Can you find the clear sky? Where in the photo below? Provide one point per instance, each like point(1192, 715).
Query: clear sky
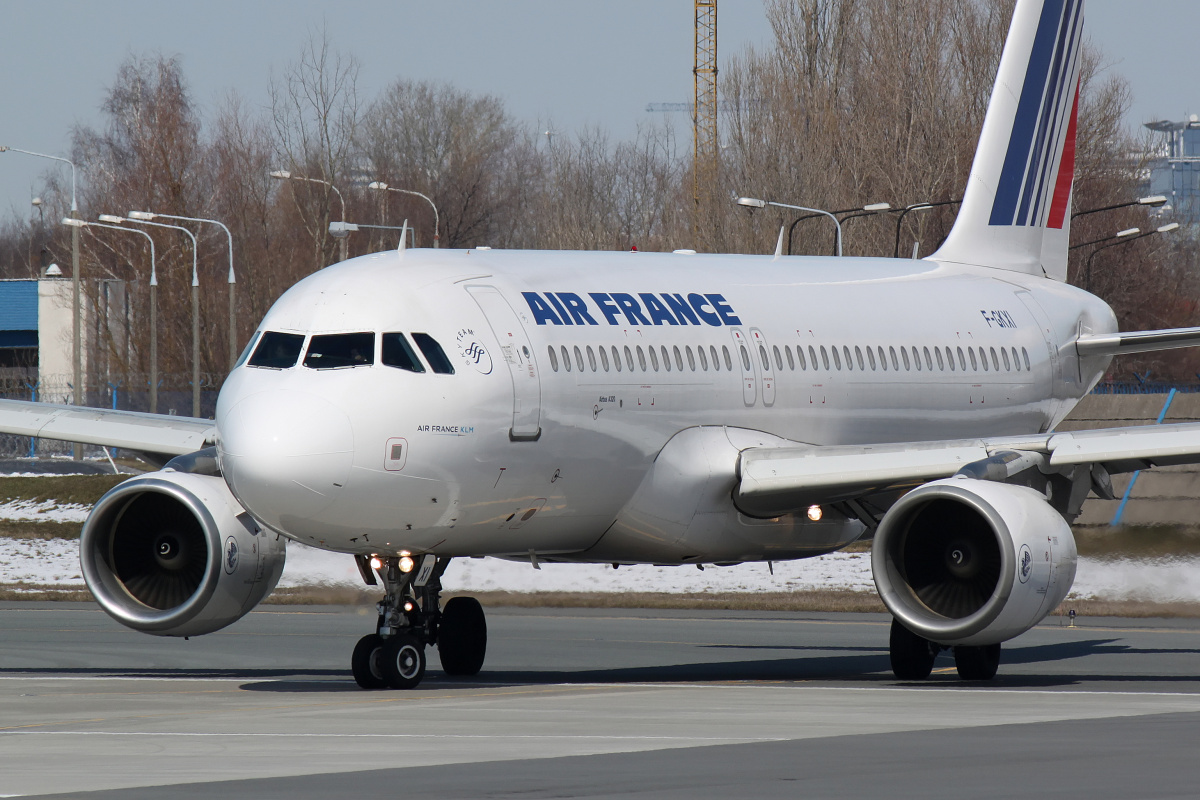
point(572, 62)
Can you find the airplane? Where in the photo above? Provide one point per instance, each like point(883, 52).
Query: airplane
point(412, 407)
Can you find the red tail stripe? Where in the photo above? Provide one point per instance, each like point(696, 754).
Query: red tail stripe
point(1066, 172)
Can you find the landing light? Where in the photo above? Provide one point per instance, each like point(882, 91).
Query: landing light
point(408, 605)
point(406, 564)
point(815, 513)
point(376, 562)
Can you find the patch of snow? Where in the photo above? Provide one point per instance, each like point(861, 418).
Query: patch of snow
point(44, 511)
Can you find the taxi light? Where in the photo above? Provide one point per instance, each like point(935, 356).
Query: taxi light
point(815, 513)
point(406, 564)
point(408, 605)
point(376, 562)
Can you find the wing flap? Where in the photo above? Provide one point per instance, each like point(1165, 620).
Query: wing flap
point(130, 430)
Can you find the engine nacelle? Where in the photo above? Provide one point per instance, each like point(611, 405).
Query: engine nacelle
point(174, 554)
point(964, 561)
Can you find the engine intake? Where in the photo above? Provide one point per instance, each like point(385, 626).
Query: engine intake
point(174, 554)
point(964, 561)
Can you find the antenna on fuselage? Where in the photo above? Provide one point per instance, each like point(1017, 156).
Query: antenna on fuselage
point(779, 244)
point(403, 238)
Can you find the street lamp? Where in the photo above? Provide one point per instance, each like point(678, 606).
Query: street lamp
point(916, 207)
point(1117, 235)
point(1154, 201)
point(868, 210)
point(1087, 282)
point(232, 280)
point(284, 175)
point(195, 301)
point(77, 318)
point(753, 203)
point(380, 186)
point(78, 223)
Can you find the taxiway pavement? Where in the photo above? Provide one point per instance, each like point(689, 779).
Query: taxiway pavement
point(592, 703)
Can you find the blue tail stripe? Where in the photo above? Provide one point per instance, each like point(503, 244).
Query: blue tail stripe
point(1052, 116)
point(1016, 160)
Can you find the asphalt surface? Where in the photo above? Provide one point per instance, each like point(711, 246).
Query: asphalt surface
point(574, 703)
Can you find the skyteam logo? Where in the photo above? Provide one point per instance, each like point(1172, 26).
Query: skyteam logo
point(231, 555)
point(473, 352)
point(620, 308)
point(1024, 563)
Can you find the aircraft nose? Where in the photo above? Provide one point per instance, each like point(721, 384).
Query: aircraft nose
point(286, 455)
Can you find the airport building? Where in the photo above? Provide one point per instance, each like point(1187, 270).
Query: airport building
point(1174, 171)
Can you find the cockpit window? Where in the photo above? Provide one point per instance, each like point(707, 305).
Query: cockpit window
point(277, 350)
point(433, 353)
point(248, 349)
point(335, 350)
point(397, 352)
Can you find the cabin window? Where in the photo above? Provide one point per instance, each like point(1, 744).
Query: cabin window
point(745, 359)
point(882, 358)
point(995, 360)
point(762, 356)
point(395, 351)
point(791, 361)
point(578, 358)
point(653, 357)
point(591, 354)
point(778, 357)
point(825, 357)
point(728, 358)
point(1025, 357)
point(846, 353)
point(629, 358)
point(837, 359)
point(950, 357)
point(703, 358)
point(642, 358)
point(553, 357)
point(974, 363)
point(566, 357)
point(603, 357)
point(916, 358)
point(895, 362)
point(434, 354)
point(277, 350)
point(859, 358)
point(1016, 360)
point(691, 358)
point(1007, 364)
point(871, 357)
point(928, 359)
point(962, 362)
point(666, 357)
point(941, 364)
point(812, 357)
point(904, 356)
point(983, 359)
point(335, 350)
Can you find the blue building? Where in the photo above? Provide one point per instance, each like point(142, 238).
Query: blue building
point(18, 324)
point(1175, 172)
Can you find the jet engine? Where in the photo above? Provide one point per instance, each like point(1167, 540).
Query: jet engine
point(970, 562)
point(174, 554)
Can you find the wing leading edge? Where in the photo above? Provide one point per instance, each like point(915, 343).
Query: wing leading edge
point(152, 434)
point(780, 480)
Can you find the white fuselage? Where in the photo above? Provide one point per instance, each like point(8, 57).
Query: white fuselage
point(538, 440)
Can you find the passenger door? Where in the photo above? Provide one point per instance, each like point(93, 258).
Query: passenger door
point(518, 355)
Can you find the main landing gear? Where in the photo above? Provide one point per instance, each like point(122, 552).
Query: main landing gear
point(912, 657)
point(410, 620)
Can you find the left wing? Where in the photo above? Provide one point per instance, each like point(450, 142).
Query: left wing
point(780, 480)
point(159, 436)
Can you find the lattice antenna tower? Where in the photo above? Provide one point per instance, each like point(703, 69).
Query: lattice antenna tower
point(704, 121)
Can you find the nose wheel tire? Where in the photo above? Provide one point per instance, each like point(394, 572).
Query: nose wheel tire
point(911, 655)
point(403, 661)
point(977, 663)
point(462, 636)
point(367, 662)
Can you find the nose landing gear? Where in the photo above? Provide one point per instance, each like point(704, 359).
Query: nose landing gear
point(410, 619)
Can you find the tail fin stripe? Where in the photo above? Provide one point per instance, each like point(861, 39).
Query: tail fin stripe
point(1037, 93)
point(1066, 171)
point(1053, 116)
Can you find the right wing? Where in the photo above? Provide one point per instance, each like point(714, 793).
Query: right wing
point(159, 436)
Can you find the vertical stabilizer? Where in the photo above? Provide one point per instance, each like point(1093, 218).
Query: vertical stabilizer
point(1016, 209)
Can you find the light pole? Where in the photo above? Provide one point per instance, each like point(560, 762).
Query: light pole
point(867, 211)
point(753, 203)
point(1154, 201)
point(1087, 281)
point(78, 223)
point(284, 175)
point(232, 279)
point(195, 301)
point(77, 318)
point(1117, 235)
point(916, 207)
point(380, 186)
